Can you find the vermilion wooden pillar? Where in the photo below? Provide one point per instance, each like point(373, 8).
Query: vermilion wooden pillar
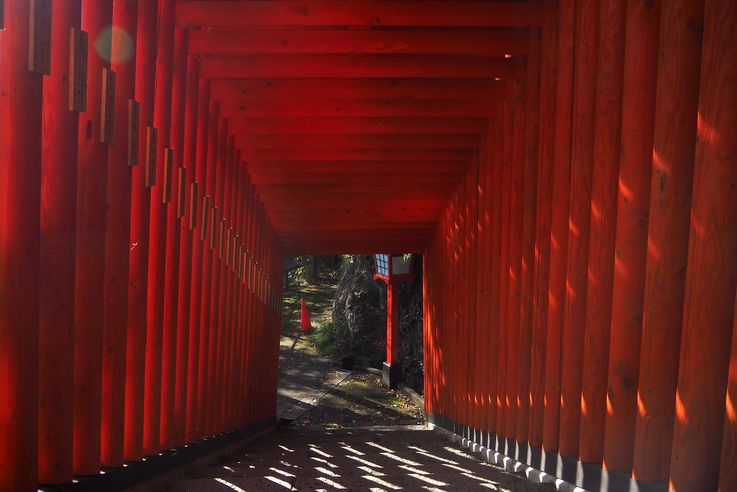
point(171, 270)
point(58, 215)
point(139, 234)
point(502, 366)
point(494, 273)
point(542, 233)
point(225, 284)
point(117, 234)
point(198, 250)
point(213, 292)
point(582, 148)
point(90, 247)
point(559, 220)
point(711, 279)
point(676, 110)
point(482, 306)
point(392, 334)
point(157, 232)
point(728, 463)
point(186, 351)
point(20, 196)
point(529, 219)
point(603, 207)
point(207, 266)
point(514, 256)
point(638, 108)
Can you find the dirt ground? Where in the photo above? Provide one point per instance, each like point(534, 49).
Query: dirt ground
point(358, 401)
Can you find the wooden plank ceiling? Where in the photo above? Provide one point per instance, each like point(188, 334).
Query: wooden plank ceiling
point(357, 118)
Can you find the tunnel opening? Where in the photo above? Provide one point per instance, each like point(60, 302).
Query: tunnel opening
point(349, 336)
point(566, 168)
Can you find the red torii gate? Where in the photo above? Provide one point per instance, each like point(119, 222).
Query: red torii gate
point(567, 168)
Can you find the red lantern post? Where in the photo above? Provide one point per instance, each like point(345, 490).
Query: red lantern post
point(392, 269)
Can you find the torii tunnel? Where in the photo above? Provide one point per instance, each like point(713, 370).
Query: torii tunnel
point(567, 168)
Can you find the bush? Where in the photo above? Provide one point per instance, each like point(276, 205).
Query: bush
point(325, 338)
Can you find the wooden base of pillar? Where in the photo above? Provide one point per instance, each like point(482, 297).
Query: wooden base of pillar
point(390, 375)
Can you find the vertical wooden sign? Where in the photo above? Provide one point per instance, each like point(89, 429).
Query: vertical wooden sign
point(221, 234)
point(213, 226)
point(205, 216)
point(77, 70)
point(244, 266)
point(249, 268)
point(134, 117)
point(234, 252)
point(39, 48)
point(263, 287)
point(226, 246)
point(168, 171)
point(107, 108)
point(239, 261)
point(152, 142)
point(193, 197)
point(182, 192)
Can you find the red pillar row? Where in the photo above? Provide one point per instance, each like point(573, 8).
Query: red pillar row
point(635, 330)
point(101, 328)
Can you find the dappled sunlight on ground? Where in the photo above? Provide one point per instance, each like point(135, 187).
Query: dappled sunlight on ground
point(369, 459)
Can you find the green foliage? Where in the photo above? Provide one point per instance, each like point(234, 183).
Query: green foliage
point(325, 338)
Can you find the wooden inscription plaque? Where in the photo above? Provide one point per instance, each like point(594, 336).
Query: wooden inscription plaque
point(39, 49)
point(239, 261)
point(107, 108)
point(152, 142)
point(226, 246)
point(77, 70)
point(181, 192)
point(193, 197)
point(168, 174)
point(134, 117)
point(233, 252)
point(205, 217)
point(213, 226)
point(221, 237)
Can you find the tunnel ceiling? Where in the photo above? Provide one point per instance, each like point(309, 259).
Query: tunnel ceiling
point(357, 118)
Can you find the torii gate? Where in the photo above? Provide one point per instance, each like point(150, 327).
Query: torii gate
point(566, 167)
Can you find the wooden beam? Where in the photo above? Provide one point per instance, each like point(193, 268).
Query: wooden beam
point(338, 141)
point(321, 126)
point(348, 178)
point(240, 41)
point(356, 246)
point(377, 66)
point(359, 167)
point(357, 88)
point(372, 108)
point(300, 191)
point(358, 13)
point(296, 154)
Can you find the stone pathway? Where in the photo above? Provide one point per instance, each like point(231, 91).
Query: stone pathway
point(365, 459)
